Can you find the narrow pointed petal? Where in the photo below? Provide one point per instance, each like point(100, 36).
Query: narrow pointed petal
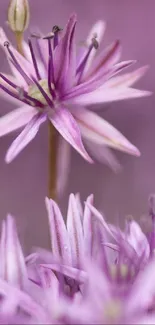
point(64, 57)
point(126, 80)
point(68, 271)
point(88, 228)
point(100, 219)
point(105, 95)
point(75, 230)
point(63, 165)
point(59, 238)
point(138, 240)
point(16, 119)
point(25, 137)
point(12, 259)
point(64, 122)
point(105, 60)
point(100, 131)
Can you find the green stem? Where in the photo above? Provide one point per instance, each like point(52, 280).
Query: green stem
point(52, 161)
point(19, 41)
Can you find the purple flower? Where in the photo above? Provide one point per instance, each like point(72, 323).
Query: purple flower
point(60, 84)
point(109, 290)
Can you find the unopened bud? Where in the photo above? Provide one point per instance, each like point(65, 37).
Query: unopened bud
point(18, 15)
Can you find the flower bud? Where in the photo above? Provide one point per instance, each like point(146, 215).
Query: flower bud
point(18, 15)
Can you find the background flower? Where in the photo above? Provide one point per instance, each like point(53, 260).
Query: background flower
point(134, 24)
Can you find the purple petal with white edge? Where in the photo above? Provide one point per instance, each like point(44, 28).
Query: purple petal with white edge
point(25, 137)
point(22, 300)
point(99, 217)
point(63, 165)
point(13, 267)
point(97, 31)
point(105, 95)
point(104, 155)
point(101, 132)
point(127, 79)
point(65, 57)
point(59, 237)
point(68, 271)
point(138, 240)
point(16, 119)
point(64, 122)
point(143, 291)
point(106, 60)
point(88, 228)
point(75, 231)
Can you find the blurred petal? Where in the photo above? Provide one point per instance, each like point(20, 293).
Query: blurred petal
point(59, 238)
point(137, 239)
point(25, 137)
point(16, 119)
point(88, 228)
point(104, 155)
point(64, 122)
point(75, 231)
point(100, 131)
point(143, 290)
point(12, 267)
point(63, 165)
point(68, 271)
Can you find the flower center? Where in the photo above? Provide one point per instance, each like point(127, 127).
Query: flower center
point(123, 270)
point(113, 310)
point(35, 93)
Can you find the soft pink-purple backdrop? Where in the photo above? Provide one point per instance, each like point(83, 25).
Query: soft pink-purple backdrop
point(23, 183)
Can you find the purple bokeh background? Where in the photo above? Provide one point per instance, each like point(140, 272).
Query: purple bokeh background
point(24, 182)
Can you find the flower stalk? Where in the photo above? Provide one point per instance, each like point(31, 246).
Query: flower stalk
point(52, 161)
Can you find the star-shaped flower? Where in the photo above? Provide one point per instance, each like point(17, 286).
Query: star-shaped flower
point(58, 86)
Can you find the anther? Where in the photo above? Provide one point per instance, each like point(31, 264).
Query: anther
point(95, 43)
point(56, 29)
point(6, 44)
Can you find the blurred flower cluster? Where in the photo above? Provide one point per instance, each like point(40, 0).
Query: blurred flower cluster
point(95, 273)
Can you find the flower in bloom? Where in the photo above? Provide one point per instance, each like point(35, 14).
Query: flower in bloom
point(99, 298)
point(60, 85)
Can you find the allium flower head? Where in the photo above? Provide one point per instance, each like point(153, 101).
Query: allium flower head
point(60, 83)
point(99, 296)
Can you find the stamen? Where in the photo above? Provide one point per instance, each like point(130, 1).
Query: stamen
point(16, 64)
point(50, 69)
point(56, 29)
point(21, 92)
point(82, 65)
point(49, 36)
point(44, 94)
point(11, 93)
point(34, 60)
